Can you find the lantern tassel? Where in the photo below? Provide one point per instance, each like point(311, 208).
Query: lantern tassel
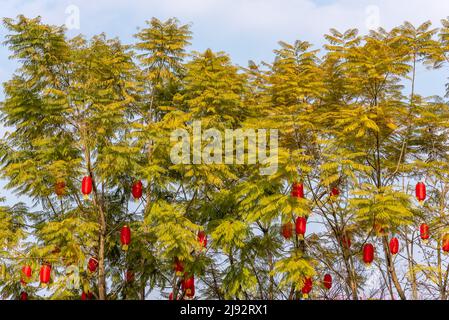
point(125, 247)
point(305, 296)
point(86, 197)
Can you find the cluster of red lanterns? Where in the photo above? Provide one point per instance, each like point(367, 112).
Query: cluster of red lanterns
point(86, 188)
point(87, 296)
point(300, 228)
point(188, 282)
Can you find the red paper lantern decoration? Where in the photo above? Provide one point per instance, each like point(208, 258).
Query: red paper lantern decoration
point(170, 296)
point(368, 253)
point(92, 265)
point(86, 186)
point(84, 296)
point(346, 241)
point(420, 191)
point(287, 230)
point(188, 285)
point(424, 232)
point(26, 271)
point(137, 189)
point(445, 244)
point(327, 281)
point(335, 192)
point(129, 276)
point(60, 188)
point(297, 190)
point(307, 287)
point(394, 246)
point(45, 274)
point(23, 296)
point(301, 225)
point(202, 238)
point(179, 267)
point(125, 237)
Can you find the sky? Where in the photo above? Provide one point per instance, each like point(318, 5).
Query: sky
point(246, 29)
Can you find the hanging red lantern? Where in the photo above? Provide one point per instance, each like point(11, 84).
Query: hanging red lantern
point(394, 246)
point(297, 190)
point(420, 191)
point(45, 274)
point(23, 296)
point(346, 241)
point(129, 276)
point(26, 272)
point(179, 267)
point(170, 296)
point(84, 296)
point(136, 190)
point(125, 237)
point(424, 232)
point(287, 230)
point(301, 225)
point(335, 192)
point(368, 253)
point(307, 287)
point(327, 281)
point(202, 238)
point(86, 186)
point(60, 188)
point(92, 265)
point(188, 285)
point(445, 244)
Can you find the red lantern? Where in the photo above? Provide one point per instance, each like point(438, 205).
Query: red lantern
point(420, 191)
point(26, 271)
point(60, 188)
point(84, 296)
point(137, 189)
point(44, 274)
point(297, 190)
point(129, 276)
point(327, 281)
point(301, 224)
point(346, 241)
point(86, 186)
point(335, 192)
point(287, 230)
point(394, 246)
point(307, 287)
point(170, 296)
point(202, 238)
point(23, 296)
point(92, 265)
point(125, 237)
point(445, 244)
point(424, 232)
point(188, 285)
point(179, 267)
point(368, 253)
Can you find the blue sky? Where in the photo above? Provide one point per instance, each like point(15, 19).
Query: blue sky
point(246, 29)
